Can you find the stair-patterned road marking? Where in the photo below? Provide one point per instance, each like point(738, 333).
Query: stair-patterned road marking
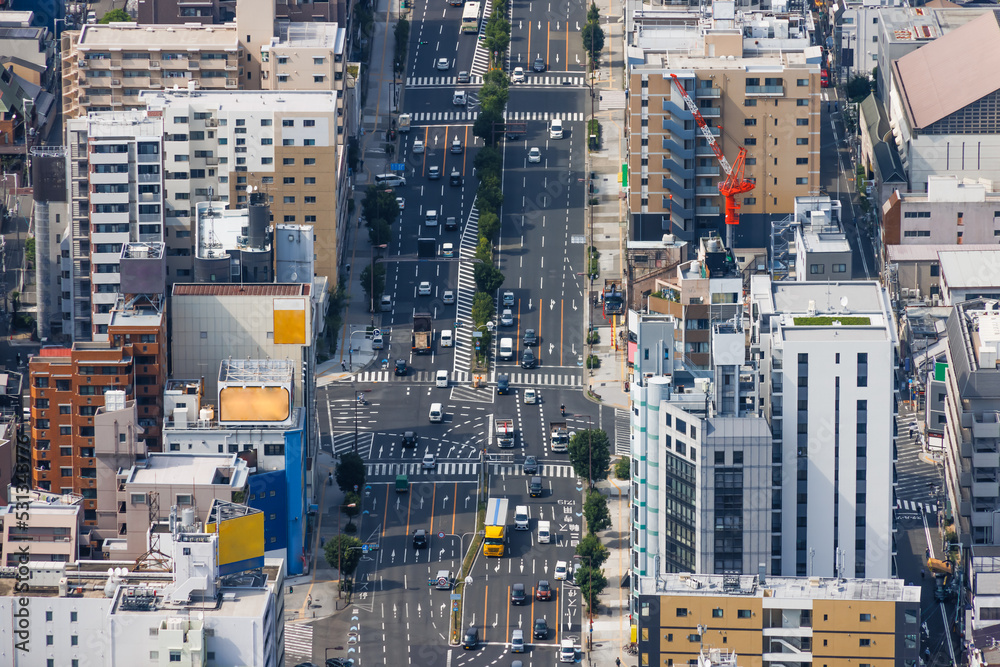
point(623, 432)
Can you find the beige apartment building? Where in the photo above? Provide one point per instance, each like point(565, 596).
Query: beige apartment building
point(49, 527)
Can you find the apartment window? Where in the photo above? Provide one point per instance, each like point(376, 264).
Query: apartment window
point(916, 233)
point(266, 122)
point(266, 141)
point(288, 122)
point(935, 270)
point(184, 499)
point(308, 142)
point(310, 200)
point(48, 616)
point(743, 613)
point(864, 642)
point(749, 141)
point(750, 103)
point(289, 200)
point(267, 160)
point(288, 142)
point(267, 180)
point(802, 141)
point(717, 612)
point(801, 121)
point(309, 161)
point(749, 122)
point(309, 180)
point(289, 180)
point(801, 180)
point(180, 120)
point(682, 612)
point(802, 82)
point(802, 102)
point(319, 78)
point(289, 218)
point(749, 201)
point(49, 640)
point(274, 450)
point(175, 656)
point(865, 618)
point(74, 640)
point(310, 218)
point(840, 268)
point(309, 123)
point(817, 269)
point(801, 160)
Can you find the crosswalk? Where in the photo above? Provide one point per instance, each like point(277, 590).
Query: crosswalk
point(623, 432)
point(911, 506)
point(452, 117)
point(534, 378)
point(481, 58)
point(463, 469)
point(540, 80)
point(916, 479)
point(298, 642)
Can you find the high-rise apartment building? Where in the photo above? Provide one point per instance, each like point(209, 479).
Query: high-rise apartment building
point(68, 387)
point(828, 353)
point(760, 81)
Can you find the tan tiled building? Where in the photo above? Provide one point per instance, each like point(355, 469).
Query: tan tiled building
point(49, 527)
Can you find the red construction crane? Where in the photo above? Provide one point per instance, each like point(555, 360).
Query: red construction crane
point(734, 183)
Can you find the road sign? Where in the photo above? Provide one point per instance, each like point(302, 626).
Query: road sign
point(456, 596)
point(442, 581)
point(441, 534)
point(454, 606)
point(397, 166)
point(364, 548)
point(376, 332)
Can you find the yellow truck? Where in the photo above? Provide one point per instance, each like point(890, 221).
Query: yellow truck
point(939, 566)
point(495, 542)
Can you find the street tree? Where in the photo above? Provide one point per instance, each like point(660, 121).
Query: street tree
point(489, 194)
point(116, 16)
point(489, 222)
point(484, 250)
point(595, 511)
point(367, 284)
point(590, 454)
point(488, 118)
point(482, 308)
point(350, 472)
point(488, 160)
point(379, 204)
point(488, 278)
point(591, 582)
point(593, 14)
point(592, 36)
point(343, 553)
point(591, 552)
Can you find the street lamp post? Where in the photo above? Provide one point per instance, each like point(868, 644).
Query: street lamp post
point(372, 276)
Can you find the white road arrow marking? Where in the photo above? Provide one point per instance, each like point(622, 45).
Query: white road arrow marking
point(552, 304)
point(392, 556)
point(539, 25)
point(467, 498)
point(441, 555)
point(496, 621)
point(522, 567)
point(574, 304)
point(577, 58)
point(444, 501)
point(421, 502)
point(578, 26)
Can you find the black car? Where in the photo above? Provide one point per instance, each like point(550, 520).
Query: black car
point(409, 440)
point(339, 662)
point(541, 630)
point(456, 177)
point(400, 367)
point(471, 638)
point(539, 65)
point(530, 465)
point(503, 384)
point(517, 595)
point(420, 539)
point(530, 337)
point(528, 359)
point(450, 223)
point(535, 487)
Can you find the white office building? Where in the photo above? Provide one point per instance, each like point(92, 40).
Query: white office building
point(827, 353)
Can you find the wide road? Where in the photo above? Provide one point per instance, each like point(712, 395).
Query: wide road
point(548, 29)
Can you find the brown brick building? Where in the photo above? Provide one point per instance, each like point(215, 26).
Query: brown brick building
point(68, 385)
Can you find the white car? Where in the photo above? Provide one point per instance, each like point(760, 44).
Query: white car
point(530, 397)
point(534, 155)
point(506, 318)
point(447, 339)
point(418, 146)
point(518, 75)
point(424, 288)
point(443, 64)
point(401, 202)
point(448, 297)
point(428, 462)
point(567, 651)
point(562, 571)
point(431, 218)
point(448, 250)
point(441, 379)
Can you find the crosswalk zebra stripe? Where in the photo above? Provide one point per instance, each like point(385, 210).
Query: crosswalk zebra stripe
point(298, 641)
point(623, 432)
point(545, 470)
point(912, 506)
point(462, 469)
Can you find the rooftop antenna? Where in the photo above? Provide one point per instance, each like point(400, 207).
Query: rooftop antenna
point(843, 304)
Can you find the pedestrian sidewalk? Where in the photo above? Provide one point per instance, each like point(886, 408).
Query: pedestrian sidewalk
point(611, 624)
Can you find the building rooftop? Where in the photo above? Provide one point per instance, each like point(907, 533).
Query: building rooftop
point(310, 35)
point(231, 101)
point(220, 231)
point(862, 298)
point(930, 252)
point(132, 314)
point(804, 588)
point(273, 289)
point(255, 371)
point(970, 268)
point(117, 124)
point(192, 469)
point(119, 36)
point(952, 71)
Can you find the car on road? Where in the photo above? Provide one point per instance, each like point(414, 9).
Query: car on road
point(428, 462)
point(431, 218)
point(420, 539)
point(517, 594)
point(556, 129)
point(447, 338)
point(434, 172)
point(443, 64)
point(441, 379)
point(539, 64)
point(541, 630)
point(418, 146)
point(456, 145)
point(507, 318)
point(517, 641)
point(518, 75)
point(463, 77)
point(449, 297)
point(535, 487)
point(471, 639)
point(530, 465)
point(424, 288)
point(530, 396)
point(378, 342)
point(528, 359)
point(450, 223)
point(503, 383)
point(409, 440)
point(401, 203)
point(535, 155)
point(543, 591)
point(508, 298)
point(455, 178)
point(567, 651)
point(448, 250)
point(400, 367)
point(339, 662)
point(562, 571)
point(530, 337)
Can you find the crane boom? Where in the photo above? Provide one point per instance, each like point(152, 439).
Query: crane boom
point(702, 125)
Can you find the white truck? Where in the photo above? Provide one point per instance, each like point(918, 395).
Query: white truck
point(559, 433)
point(544, 532)
point(505, 433)
point(404, 122)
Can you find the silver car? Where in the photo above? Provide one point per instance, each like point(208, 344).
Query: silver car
point(506, 318)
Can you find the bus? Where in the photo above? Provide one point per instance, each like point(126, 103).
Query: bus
point(470, 17)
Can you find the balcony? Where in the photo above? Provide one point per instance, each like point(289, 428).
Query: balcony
point(231, 83)
point(765, 91)
point(154, 64)
point(710, 112)
point(707, 210)
point(714, 93)
point(706, 171)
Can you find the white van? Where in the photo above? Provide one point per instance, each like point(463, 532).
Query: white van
point(556, 129)
point(521, 517)
point(431, 218)
point(441, 379)
point(506, 348)
point(447, 338)
point(386, 303)
point(389, 180)
point(544, 532)
point(436, 414)
point(418, 146)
